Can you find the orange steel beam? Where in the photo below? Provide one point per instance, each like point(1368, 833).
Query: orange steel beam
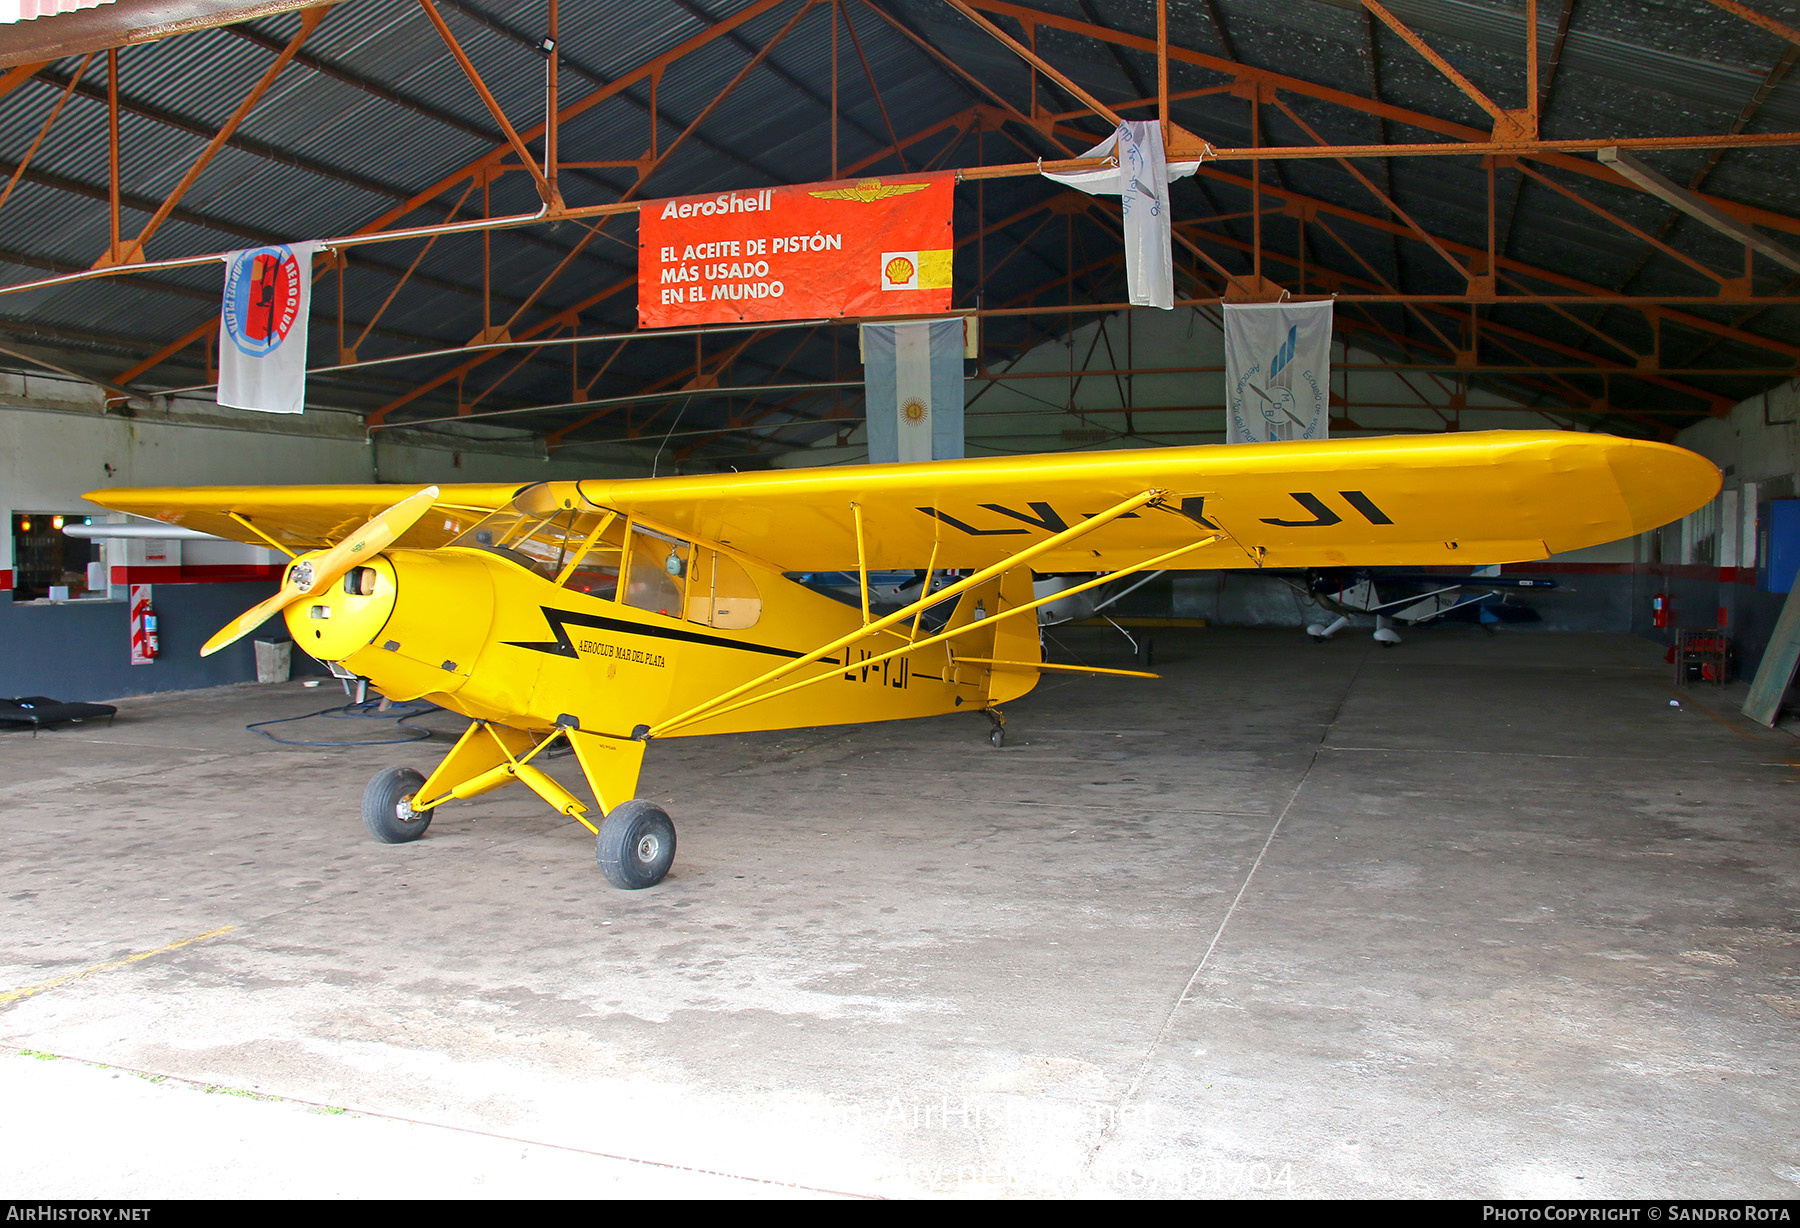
point(686, 450)
point(1527, 337)
point(1310, 89)
point(1313, 151)
point(586, 102)
point(874, 89)
point(550, 102)
point(210, 327)
point(13, 78)
point(1514, 147)
point(593, 232)
point(381, 414)
point(1138, 104)
point(1383, 197)
point(1661, 187)
point(1602, 366)
point(1768, 23)
point(545, 192)
point(568, 316)
point(968, 78)
point(112, 148)
point(1437, 61)
point(407, 276)
point(1621, 223)
point(962, 121)
point(464, 408)
point(1518, 266)
point(1531, 64)
point(1576, 320)
point(647, 70)
point(134, 251)
point(690, 373)
point(1031, 57)
point(44, 130)
point(1379, 280)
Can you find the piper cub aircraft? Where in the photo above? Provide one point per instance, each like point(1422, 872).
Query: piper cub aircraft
point(609, 614)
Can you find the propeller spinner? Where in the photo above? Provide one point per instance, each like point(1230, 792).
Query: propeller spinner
point(314, 571)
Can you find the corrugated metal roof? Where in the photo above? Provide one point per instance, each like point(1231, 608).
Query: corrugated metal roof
point(323, 155)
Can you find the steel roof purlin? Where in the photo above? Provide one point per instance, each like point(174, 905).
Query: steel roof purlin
point(1436, 166)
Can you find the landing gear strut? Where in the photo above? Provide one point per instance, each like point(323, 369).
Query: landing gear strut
point(996, 735)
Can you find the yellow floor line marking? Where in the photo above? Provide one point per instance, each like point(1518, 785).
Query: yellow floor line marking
point(15, 994)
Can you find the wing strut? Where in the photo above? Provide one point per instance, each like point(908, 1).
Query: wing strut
point(926, 600)
point(862, 562)
point(719, 707)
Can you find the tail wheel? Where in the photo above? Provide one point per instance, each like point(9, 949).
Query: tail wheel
point(636, 845)
point(387, 806)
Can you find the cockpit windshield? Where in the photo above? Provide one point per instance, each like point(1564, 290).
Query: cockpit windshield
point(545, 544)
point(586, 549)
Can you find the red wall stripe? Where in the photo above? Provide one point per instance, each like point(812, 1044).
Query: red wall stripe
point(199, 573)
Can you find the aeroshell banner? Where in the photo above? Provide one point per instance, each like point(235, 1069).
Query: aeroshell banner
point(864, 247)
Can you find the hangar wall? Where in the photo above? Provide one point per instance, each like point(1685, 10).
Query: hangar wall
point(1033, 404)
point(1707, 562)
point(55, 444)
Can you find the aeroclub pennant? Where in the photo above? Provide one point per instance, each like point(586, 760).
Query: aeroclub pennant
point(262, 328)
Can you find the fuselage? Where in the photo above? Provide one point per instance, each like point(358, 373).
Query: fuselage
point(481, 634)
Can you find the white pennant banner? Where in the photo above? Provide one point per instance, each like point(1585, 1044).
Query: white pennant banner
point(1141, 182)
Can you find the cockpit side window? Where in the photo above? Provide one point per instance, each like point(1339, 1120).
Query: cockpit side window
point(721, 593)
point(658, 575)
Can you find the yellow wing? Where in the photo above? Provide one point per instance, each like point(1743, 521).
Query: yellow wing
point(1461, 499)
point(303, 517)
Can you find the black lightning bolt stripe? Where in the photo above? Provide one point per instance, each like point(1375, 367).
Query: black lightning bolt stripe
point(562, 646)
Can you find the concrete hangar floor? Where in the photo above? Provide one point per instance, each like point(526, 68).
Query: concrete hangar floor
point(1472, 917)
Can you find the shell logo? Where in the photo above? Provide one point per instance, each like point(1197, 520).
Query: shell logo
point(899, 271)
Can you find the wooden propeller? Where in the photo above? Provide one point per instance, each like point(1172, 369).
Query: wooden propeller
point(313, 572)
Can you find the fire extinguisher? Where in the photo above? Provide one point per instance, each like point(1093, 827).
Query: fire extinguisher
point(151, 644)
point(1659, 610)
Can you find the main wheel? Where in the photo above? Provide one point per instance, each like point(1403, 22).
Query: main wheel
point(387, 807)
point(636, 845)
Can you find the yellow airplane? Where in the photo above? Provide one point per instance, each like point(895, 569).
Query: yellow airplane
point(607, 614)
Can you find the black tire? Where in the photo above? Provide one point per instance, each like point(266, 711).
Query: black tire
point(387, 810)
point(636, 845)
point(997, 736)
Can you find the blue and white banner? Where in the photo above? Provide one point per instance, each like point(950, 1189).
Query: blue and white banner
point(913, 390)
point(262, 328)
point(1277, 371)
